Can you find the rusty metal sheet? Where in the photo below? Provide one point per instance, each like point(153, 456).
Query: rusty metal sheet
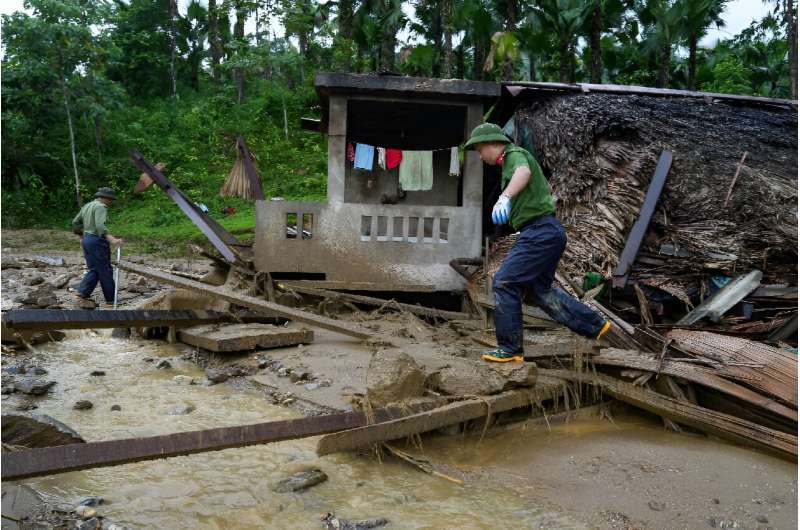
point(31, 463)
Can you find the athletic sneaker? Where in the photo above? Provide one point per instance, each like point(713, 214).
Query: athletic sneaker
point(604, 329)
point(500, 356)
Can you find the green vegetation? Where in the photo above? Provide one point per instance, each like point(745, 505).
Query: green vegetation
point(83, 82)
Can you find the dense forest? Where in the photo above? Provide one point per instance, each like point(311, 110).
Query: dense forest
point(84, 81)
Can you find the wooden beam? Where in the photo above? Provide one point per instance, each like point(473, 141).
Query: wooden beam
point(691, 372)
point(706, 420)
point(251, 302)
point(453, 413)
point(379, 302)
point(31, 463)
point(338, 285)
point(636, 236)
point(46, 319)
point(241, 337)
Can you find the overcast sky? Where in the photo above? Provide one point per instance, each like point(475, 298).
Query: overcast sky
point(738, 15)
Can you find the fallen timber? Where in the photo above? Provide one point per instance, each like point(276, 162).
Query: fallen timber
point(46, 319)
point(685, 413)
point(691, 372)
point(29, 463)
point(377, 302)
point(453, 413)
point(250, 302)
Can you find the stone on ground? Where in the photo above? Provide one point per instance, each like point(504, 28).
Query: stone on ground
point(392, 377)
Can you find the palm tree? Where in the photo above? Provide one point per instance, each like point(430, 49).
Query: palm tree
point(697, 16)
point(563, 18)
point(376, 28)
point(604, 15)
point(663, 26)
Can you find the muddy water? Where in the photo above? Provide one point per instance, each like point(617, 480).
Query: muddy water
point(232, 488)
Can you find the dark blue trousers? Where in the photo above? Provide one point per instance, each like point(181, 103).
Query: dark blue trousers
point(528, 272)
point(97, 252)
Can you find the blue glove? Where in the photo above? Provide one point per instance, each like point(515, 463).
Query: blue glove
point(501, 210)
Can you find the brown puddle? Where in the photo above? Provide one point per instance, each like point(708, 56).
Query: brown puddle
point(232, 488)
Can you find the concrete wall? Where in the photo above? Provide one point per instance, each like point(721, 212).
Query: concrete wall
point(369, 242)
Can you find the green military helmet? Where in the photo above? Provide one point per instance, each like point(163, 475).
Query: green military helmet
point(487, 132)
point(107, 193)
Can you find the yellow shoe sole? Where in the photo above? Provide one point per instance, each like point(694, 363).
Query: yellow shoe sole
point(493, 359)
point(604, 329)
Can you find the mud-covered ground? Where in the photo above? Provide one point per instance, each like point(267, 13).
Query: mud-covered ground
point(623, 472)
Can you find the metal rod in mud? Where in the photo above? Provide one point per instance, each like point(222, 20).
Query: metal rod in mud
point(29, 463)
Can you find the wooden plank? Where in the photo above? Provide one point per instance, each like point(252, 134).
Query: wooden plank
point(31, 463)
point(361, 286)
point(251, 302)
point(706, 420)
point(241, 337)
point(696, 374)
point(455, 89)
point(45, 319)
point(380, 302)
point(453, 413)
point(636, 236)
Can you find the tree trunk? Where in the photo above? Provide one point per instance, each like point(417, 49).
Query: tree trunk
point(692, 60)
point(344, 20)
point(596, 48)
point(173, 9)
point(511, 16)
point(791, 35)
point(563, 67)
point(98, 139)
point(479, 58)
point(572, 65)
point(532, 67)
point(388, 44)
point(663, 74)
point(302, 40)
point(461, 67)
point(71, 141)
point(437, 27)
point(214, 39)
point(447, 28)
point(238, 35)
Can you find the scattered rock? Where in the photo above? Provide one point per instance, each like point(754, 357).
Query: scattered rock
point(116, 407)
point(148, 359)
point(92, 501)
point(216, 375)
point(163, 364)
point(34, 387)
point(115, 526)
point(138, 286)
point(284, 372)
point(60, 281)
point(17, 369)
point(97, 373)
point(26, 406)
point(183, 380)
point(294, 377)
point(47, 301)
point(762, 519)
point(715, 501)
point(37, 370)
point(264, 363)
point(463, 377)
point(182, 410)
point(325, 382)
point(300, 481)
point(36, 430)
point(331, 522)
point(85, 511)
point(83, 404)
point(657, 506)
point(89, 524)
point(392, 377)
point(33, 279)
point(8, 389)
point(311, 386)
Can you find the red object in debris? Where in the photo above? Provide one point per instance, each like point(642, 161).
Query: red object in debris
point(351, 152)
point(229, 210)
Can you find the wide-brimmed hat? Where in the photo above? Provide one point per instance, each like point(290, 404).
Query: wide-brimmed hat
point(487, 132)
point(106, 193)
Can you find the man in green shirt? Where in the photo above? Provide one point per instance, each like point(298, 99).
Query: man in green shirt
point(90, 224)
point(527, 204)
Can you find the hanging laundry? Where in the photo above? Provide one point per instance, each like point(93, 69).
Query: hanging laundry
point(365, 156)
point(393, 158)
point(382, 158)
point(455, 165)
point(351, 152)
point(416, 170)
